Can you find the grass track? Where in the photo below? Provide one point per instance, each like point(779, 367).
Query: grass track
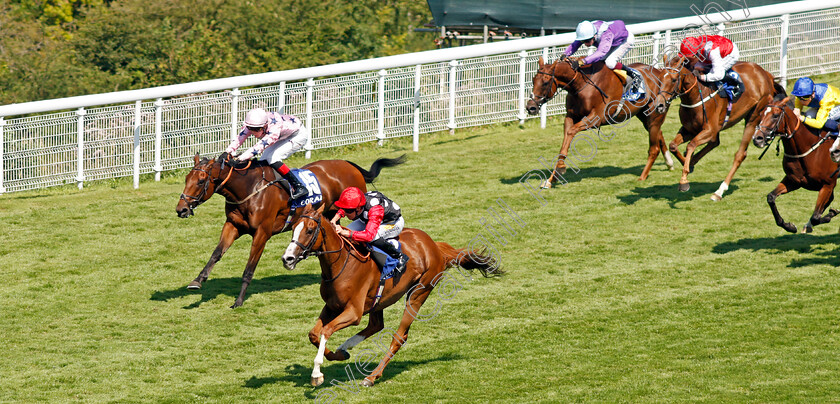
point(617, 290)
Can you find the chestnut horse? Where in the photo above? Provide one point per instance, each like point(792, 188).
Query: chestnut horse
point(704, 112)
point(594, 99)
point(349, 284)
point(807, 163)
point(257, 203)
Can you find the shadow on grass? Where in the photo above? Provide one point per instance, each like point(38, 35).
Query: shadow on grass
point(336, 371)
point(455, 140)
point(673, 195)
point(801, 243)
point(584, 173)
point(214, 287)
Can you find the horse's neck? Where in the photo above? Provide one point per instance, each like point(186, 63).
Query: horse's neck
point(802, 138)
point(332, 262)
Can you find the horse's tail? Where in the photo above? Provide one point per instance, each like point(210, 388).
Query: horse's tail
point(483, 261)
point(378, 165)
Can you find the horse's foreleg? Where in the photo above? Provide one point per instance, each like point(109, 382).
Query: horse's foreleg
point(740, 155)
point(412, 303)
point(656, 143)
point(675, 144)
point(376, 323)
point(560, 164)
point(229, 235)
point(781, 189)
point(699, 155)
point(824, 198)
point(689, 151)
point(350, 316)
point(261, 236)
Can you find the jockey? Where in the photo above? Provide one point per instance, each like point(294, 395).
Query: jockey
point(280, 135)
point(376, 219)
point(613, 42)
point(712, 53)
point(822, 101)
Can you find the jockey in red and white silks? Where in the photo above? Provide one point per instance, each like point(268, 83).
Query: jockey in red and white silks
point(713, 53)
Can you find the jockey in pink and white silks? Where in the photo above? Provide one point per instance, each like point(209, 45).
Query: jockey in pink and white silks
point(613, 41)
point(280, 135)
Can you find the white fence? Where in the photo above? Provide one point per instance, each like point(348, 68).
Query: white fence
point(369, 100)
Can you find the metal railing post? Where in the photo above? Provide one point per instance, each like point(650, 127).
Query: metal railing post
point(543, 110)
point(80, 132)
point(310, 84)
point(657, 36)
point(522, 116)
point(720, 28)
point(416, 133)
point(380, 110)
point(783, 51)
point(234, 113)
point(158, 136)
point(281, 97)
point(453, 80)
point(136, 158)
point(2, 156)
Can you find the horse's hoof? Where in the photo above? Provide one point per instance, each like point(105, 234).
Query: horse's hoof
point(317, 381)
point(716, 197)
point(235, 305)
point(807, 229)
point(345, 355)
point(194, 285)
point(545, 185)
point(791, 228)
point(684, 187)
point(367, 383)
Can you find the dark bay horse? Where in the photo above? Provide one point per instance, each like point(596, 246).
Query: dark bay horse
point(704, 112)
point(258, 205)
point(350, 281)
point(807, 163)
point(593, 100)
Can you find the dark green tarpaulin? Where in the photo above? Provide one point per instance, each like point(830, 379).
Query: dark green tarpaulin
point(565, 15)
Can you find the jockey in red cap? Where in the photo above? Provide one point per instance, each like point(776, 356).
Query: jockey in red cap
point(376, 219)
point(713, 54)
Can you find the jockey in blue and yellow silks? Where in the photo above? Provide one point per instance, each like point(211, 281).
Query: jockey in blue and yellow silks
point(822, 101)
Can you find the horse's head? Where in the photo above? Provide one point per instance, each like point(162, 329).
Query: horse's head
point(308, 236)
point(200, 185)
point(771, 120)
point(547, 81)
point(673, 78)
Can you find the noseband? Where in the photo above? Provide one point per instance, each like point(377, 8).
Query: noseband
point(194, 201)
point(306, 250)
point(539, 99)
point(770, 131)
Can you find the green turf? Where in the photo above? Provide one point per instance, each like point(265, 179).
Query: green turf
point(617, 290)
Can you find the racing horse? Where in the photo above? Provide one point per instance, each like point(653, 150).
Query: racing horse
point(807, 163)
point(257, 203)
point(594, 99)
point(351, 285)
point(705, 112)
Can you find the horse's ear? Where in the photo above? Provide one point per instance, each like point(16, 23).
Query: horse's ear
point(541, 62)
point(785, 101)
point(665, 59)
point(320, 210)
point(197, 158)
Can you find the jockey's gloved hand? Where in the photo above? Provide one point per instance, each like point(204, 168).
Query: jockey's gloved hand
point(574, 63)
point(223, 157)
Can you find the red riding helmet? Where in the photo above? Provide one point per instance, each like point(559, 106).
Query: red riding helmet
point(690, 46)
point(351, 198)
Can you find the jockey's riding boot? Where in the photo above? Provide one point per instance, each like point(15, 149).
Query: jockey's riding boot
point(392, 251)
point(635, 78)
point(298, 189)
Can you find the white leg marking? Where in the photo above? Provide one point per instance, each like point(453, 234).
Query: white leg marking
point(723, 188)
point(319, 359)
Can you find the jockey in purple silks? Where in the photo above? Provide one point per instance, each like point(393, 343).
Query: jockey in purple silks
point(613, 41)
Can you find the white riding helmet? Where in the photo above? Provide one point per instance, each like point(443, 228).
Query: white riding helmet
point(585, 30)
point(256, 118)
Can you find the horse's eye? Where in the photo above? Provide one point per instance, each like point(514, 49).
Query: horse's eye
point(310, 231)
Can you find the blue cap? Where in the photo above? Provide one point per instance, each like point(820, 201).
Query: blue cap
point(803, 87)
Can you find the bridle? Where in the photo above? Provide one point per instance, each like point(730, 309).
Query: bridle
point(771, 130)
point(676, 93)
point(539, 99)
point(194, 201)
point(307, 250)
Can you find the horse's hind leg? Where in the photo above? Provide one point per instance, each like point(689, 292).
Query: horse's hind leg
point(824, 198)
point(415, 298)
point(376, 323)
point(656, 143)
point(782, 188)
point(229, 235)
point(261, 236)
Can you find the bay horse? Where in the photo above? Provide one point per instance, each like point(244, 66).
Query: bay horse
point(594, 99)
point(257, 203)
point(350, 281)
point(807, 163)
point(705, 112)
